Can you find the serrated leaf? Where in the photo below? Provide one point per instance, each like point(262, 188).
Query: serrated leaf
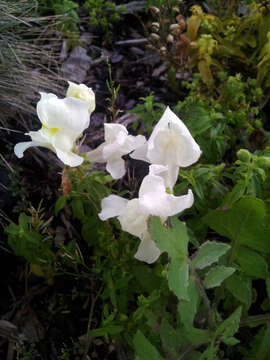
point(252, 263)
point(144, 349)
point(243, 223)
point(229, 327)
point(178, 278)
point(174, 241)
point(240, 288)
point(188, 309)
point(217, 275)
point(209, 253)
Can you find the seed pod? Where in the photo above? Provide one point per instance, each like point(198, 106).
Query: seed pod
point(170, 39)
point(163, 51)
point(155, 27)
point(154, 11)
point(175, 29)
point(181, 22)
point(154, 38)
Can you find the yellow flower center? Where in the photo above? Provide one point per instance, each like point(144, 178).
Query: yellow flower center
point(50, 131)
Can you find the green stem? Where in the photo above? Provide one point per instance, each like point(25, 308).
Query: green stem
point(255, 320)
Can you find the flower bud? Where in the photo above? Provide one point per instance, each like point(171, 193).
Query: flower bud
point(244, 155)
point(155, 27)
point(263, 162)
point(82, 92)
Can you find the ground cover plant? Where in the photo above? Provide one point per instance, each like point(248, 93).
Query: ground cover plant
point(152, 240)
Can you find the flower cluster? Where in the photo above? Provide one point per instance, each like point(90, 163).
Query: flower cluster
point(169, 147)
point(63, 121)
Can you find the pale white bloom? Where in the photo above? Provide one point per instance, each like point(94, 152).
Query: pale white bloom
point(117, 143)
point(82, 92)
point(169, 144)
point(63, 121)
point(153, 200)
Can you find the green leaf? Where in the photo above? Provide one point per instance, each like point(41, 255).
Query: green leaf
point(107, 330)
point(209, 253)
point(144, 349)
point(60, 204)
point(252, 263)
point(196, 117)
point(217, 275)
point(243, 223)
point(174, 241)
point(77, 208)
point(240, 288)
point(229, 327)
point(178, 278)
point(188, 309)
point(171, 338)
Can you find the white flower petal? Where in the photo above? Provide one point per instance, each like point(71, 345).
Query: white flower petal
point(112, 132)
point(169, 144)
point(111, 206)
point(140, 153)
point(69, 158)
point(69, 113)
point(116, 168)
point(154, 200)
point(96, 155)
point(132, 220)
point(117, 144)
point(62, 140)
point(148, 250)
point(20, 148)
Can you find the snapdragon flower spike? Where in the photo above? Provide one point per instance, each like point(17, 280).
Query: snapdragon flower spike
point(117, 143)
point(82, 92)
point(63, 121)
point(169, 144)
point(153, 200)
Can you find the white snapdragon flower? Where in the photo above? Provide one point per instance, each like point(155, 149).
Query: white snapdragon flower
point(82, 92)
point(169, 144)
point(117, 143)
point(153, 200)
point(63, 121)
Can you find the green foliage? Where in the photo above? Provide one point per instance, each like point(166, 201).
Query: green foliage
point(148, 113)
point(67, 11)
point(103, 14)
point(224, 118)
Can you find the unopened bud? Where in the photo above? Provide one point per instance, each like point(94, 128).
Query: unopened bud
point(155, 27)
point(154, 38)
point(154, 11)
point(170, 39)
point(244, 155)
point(263, 162)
